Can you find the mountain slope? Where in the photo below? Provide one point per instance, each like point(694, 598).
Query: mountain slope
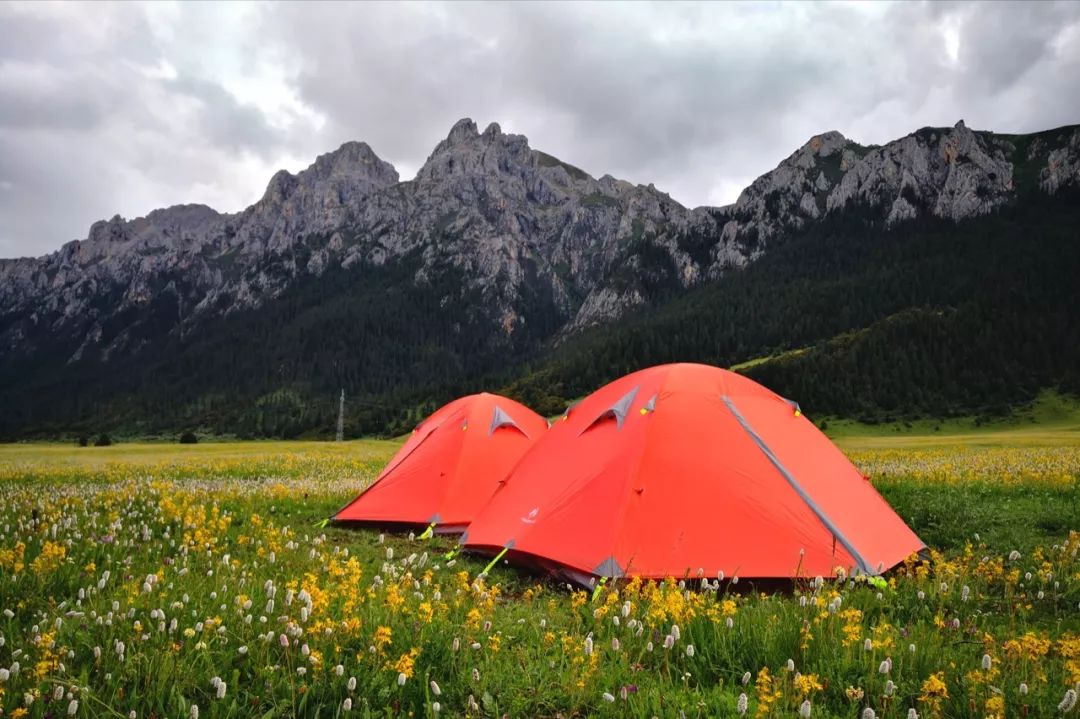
point(930, 318)
point(500, 264)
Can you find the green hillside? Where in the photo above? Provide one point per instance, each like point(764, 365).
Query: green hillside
point(931, 319)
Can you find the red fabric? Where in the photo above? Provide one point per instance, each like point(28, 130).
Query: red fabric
point(450, 465)
point(684, 490)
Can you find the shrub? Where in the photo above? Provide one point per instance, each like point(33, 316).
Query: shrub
point(83, 440)
point(103, 440)
point(189, 438)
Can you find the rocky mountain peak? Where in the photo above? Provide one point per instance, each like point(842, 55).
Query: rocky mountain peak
point(354, 165)
point(466, 151)
point(462, 131)
point(825, 144)
point(354, 160)
point(111, 230)
point(515, 222)
point(280, 186)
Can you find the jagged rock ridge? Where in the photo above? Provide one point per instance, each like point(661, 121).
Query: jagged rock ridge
point(507, 216)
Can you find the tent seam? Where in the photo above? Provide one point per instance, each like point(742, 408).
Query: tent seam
point(818, 512)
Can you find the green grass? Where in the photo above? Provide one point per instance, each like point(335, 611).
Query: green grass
point(1051, 420)
point(762, 360)
point(546, 160)
point(215, 522)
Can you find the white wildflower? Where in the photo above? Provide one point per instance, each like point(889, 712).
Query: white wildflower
point(1068, 702)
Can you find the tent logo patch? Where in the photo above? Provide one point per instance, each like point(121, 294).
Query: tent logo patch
point(530, 518)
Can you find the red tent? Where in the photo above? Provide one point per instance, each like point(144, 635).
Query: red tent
point(687, 470)
point(450, 465)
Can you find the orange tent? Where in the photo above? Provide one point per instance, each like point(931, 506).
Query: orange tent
point(450, 465)
point(687, 470)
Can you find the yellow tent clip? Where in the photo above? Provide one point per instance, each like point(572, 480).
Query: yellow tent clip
point(599, 585)
point(464, 426)
point(644, 411)
point(797, 412)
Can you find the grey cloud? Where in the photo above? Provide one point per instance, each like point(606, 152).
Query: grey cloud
point(91, 125)
point(696, 98)
point(998, 48)
point(29, 110)
point(226, 122)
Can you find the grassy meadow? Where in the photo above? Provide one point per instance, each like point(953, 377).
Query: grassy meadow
point(159, 580)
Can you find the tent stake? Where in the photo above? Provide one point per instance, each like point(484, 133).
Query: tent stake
point(494, 561)
point(429, 532)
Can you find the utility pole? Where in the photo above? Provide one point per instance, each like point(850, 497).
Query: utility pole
point(341, 418)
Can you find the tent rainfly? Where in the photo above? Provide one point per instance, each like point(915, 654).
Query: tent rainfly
point(450, 465)
point(687, 470)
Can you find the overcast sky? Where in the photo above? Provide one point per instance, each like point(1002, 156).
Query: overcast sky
point(109, 109)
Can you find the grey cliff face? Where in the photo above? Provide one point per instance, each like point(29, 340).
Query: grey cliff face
point(951, 173)
point(513, 221)
point(1062, 166)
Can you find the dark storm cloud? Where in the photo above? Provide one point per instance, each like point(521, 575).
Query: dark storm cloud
point(95, 120)
point(125, 108)
point(999, 48)
point(696, 98)
point(225, 122)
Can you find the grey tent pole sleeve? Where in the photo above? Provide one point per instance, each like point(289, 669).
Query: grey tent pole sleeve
point(798, 487)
